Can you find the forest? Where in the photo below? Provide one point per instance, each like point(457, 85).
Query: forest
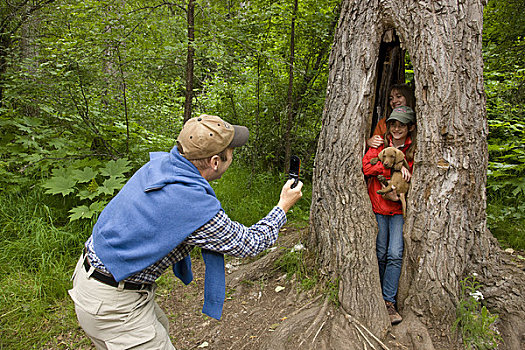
point(89, 88)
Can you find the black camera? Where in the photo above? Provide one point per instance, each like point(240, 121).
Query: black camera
point(295, 166)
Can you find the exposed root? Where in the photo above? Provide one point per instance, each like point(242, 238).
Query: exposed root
point(360, 327)
point(303, 329)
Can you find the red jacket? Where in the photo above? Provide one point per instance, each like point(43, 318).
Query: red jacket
point(379, 204)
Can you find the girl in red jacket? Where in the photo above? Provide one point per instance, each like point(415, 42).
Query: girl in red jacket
point(387, 208)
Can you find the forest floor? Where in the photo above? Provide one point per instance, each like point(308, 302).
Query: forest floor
point(259, 298)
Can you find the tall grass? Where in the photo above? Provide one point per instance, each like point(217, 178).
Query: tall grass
point(247, 197)
point(36, 261)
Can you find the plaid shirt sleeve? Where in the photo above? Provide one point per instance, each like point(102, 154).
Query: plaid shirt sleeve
point(223, 235)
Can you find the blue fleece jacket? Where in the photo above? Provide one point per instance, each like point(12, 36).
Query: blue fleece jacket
point(162, 204)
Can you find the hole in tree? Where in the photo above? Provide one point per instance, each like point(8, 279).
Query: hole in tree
point(393, 67)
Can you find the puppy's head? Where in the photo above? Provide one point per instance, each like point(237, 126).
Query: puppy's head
point(390, 156)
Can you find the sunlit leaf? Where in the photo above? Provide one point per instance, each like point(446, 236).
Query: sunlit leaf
point(111, 185)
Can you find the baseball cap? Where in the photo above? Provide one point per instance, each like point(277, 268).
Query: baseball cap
point(208, 135)
point(404, 114)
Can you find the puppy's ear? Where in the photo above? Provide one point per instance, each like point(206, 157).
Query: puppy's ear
point(400, 159)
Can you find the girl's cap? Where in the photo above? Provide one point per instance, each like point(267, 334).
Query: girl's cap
point(404, 114)
point(208, 135)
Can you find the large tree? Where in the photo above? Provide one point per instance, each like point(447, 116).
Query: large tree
point(446, 236)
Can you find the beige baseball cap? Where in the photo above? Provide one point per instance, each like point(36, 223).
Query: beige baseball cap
point(208, 135)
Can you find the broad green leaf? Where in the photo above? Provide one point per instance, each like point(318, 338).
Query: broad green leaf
point(85, 175)
point(116, 168)
point(97, 206)
point(60, 184)
point(57, 143)
point(80, 212)
point(86, 194)
point(63, 172)
point(110, 185)
point(85, 212)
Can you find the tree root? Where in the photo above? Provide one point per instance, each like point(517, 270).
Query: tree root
point(502, 279)
point(360, 327)
point(304, 328)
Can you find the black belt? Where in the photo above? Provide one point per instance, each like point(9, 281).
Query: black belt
point(110, 281)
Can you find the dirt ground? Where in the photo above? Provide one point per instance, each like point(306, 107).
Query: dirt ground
point(255, 305)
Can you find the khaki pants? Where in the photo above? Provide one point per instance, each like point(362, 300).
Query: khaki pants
point(115, 318)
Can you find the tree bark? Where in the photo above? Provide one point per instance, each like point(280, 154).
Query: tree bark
point(290, 113)
point(445, 230)
point(189, 60)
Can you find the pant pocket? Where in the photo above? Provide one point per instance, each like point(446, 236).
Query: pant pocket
point(132, 339)
point(89, 304)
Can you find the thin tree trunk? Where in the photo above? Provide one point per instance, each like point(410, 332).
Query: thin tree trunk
point(124, 97)
point(290, 113)
point(189, 60)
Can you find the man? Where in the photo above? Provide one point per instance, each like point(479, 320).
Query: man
point(166, 208)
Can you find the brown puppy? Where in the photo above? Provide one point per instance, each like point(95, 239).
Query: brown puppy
point(393, 159)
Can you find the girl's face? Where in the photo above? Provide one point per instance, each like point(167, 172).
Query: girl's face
point(396, 99)
point(399, 131)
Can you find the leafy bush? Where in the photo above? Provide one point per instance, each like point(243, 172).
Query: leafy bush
point(504, 80)
point(83, 184)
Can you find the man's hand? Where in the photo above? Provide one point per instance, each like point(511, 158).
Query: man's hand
point(375, 141)
point(289, 196)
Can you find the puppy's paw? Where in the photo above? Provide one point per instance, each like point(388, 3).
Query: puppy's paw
point(382, 179)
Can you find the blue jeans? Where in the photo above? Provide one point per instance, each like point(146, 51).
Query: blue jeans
point(389, 250)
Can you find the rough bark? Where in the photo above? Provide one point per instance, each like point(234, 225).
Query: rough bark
point(445, 231)
point(290, 113)
point(190, 16)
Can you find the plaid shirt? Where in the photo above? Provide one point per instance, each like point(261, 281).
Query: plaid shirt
point(220, 234)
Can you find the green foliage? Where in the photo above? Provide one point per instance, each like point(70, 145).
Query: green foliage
point(83, 183)
point(504, 75)
point(293, 262)
point(474, 321)
point(247, 196)
point(332, 290)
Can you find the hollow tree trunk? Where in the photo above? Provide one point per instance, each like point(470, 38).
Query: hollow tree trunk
point(445, 230)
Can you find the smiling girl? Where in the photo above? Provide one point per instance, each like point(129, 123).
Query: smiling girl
point(399, 95)
point(387, 208)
